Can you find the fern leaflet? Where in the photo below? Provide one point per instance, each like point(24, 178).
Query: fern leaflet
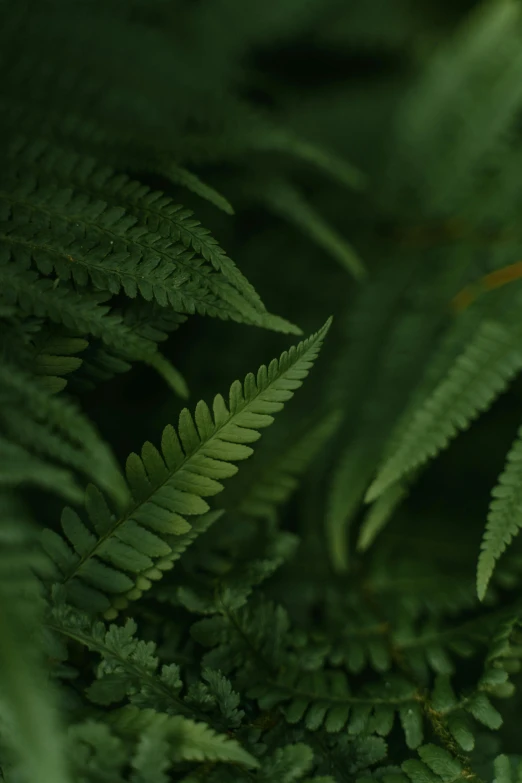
point(285, 200)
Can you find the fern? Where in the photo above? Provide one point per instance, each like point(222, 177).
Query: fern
point(503, 518)
point(188, 741)
point(19, 467)
point(120, 555)
point(477, 377)
point(379, 514)
point(286, 201)
point(156, 210)
point(83, 313)
point(181, 176)
point(283, 632)
point(272, 484)
point(55, 427)
point(28, 710)
point(82, 238)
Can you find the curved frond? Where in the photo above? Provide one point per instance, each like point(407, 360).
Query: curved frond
point(271, 484)
point(143, 206)
point(476, 378)
point(188, 179)
point(116, 557)
point(379, 514)
point(504, 517)
point(83, 312)
point(19, 467)
point(285, 200)
point(51, 425)
point(349, 482)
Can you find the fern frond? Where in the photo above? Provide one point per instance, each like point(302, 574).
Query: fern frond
point(129, 668)
point(285, 200)
point(271, 485)
point(78, 237)
point(188, 179)
point(29, 723)
point(477, 377)
point(437, 764)
point(188, 741)
point(171, 375)
point(38, 420)
point(95, 753)
point(238, 569)
point(19, 467)
point(238, 637)
point(350, 480)
point(118, 556)
point(386, 354)
point(324, 699)
point(278, 139)
point(504, 517)
point(379, 514)
point(151, 324)
point(84, 313)
point(151, 208)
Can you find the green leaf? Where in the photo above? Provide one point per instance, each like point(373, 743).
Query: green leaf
point(476, 378)
point(440, 762)
point(411, 720)
point(482, 710)
point(151, 533)
point(504, 517)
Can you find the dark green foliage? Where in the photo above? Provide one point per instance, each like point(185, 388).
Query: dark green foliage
point(338, 601)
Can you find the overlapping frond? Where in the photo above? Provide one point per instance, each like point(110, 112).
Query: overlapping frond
point(462, 106)
point(130, 669)
point(117, 556)
point(78, 236)
point(284, 199)
point(379, 514)
point(27, 703)
point(45, 424)
point(84, 313)
point(158, 212)
point(271, 484)
point(18, 467)
point(325, 699)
